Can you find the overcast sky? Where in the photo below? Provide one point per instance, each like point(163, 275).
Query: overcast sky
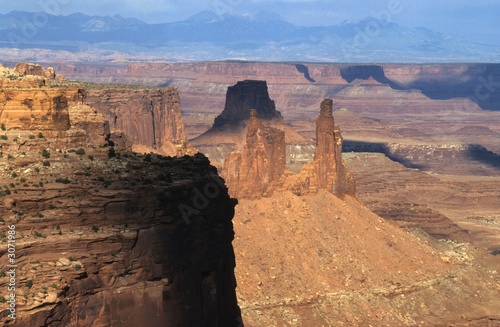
point(477, 20)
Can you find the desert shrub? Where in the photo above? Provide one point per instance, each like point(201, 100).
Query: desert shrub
point(40, 135)
point(95, 229)
point(3, 127)
point(46, 164)
point(14, 175)
point(78, 267)
point(4, 137)
point(31, 137)
point(29, 284)
point(80, 152)
point(45, 154)
point(63, 180)
point(91, 157)
point(111, 152)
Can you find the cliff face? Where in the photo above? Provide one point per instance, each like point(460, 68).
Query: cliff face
point(29, 109)
point(150, 118)
point(118, 252)
point(110, 239)
point(262, 162)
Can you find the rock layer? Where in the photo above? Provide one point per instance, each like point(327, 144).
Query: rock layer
point(33, 109)
point(118, 252)
point(150, 118)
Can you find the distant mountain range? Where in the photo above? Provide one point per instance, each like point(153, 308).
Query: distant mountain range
point(263, 37)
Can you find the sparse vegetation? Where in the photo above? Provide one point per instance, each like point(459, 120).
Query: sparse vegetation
point(4, 137)
point(45, 154)
point(95, 229)
point(3, 127)
point(111, 152)
point(80, 152)
point(63, 180)
point(14, 175)
point(29, 284)
point(40, 135)
point(46, 163)
point(91, 158)
point(32, 137)
point(78, 266)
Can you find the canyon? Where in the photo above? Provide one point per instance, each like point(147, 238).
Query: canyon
point(107, 237)
point(392, 222)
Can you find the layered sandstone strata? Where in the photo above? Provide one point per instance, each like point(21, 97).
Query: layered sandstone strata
point(34, 109)
point(11, 78)
point(261, 163)
point(95, 247)
point(151, 118)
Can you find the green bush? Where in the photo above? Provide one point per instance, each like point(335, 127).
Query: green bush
point(4, 137)
point(32, 137)
point(80, 152)
point(40, 135)
point(91, 157)
point(45, 154)
point(111, 152)
point(29, 284)
point(2, 273)
point(71, 259)
point(14, 175)
point(3, 127)
point(2, 299)
point(95, 229)
point(63, 180)
point(78, 267)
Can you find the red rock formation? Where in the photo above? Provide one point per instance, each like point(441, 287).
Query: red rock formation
point(260, 168)
point(151, 119)
point(230, 127)
point(328, 170)
point(34, 109)
point(243, 97)
point(27, 68)
point(254, 170)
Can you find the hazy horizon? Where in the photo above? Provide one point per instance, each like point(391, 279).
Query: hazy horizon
point(476, 21)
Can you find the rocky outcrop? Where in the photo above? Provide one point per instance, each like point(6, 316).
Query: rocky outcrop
point(151, 118)
point(230, 127)
point(11, 78)
point(328, 170)
point(243, 97)
point(95, 247)
point(254, 170)
point(27, 68)
point(259, 167)
point(34, 109)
